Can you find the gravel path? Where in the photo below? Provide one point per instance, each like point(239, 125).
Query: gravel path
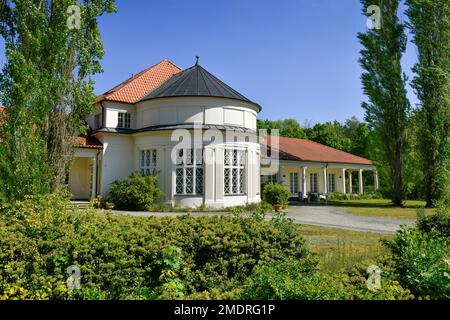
point(325, 216)
point(336, 217)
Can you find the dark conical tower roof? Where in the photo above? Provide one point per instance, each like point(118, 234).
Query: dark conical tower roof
point(196, 82)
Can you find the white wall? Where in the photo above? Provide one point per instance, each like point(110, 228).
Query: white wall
point(201, 110)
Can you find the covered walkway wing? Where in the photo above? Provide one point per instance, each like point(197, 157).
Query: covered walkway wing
point(319, 178)
point(306, 167)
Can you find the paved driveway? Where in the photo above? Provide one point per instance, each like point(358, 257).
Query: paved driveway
point(336, 217)
point(325, 216)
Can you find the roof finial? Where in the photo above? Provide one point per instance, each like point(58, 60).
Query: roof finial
point(197, 58)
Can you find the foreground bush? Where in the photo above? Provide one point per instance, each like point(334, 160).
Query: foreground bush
point(439, 222)
point(133, 258)
point(275, 193)
point(419, 260)
point(137, 192)
point(293, 280)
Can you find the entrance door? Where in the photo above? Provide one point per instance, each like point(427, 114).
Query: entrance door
point(80, 179)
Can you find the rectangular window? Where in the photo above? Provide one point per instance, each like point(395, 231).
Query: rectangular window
point(331, 183)
point(314, 179)
point(294, 182)
point(124, 120)
point(149, 161)
point(189, 171)
point(234, 172)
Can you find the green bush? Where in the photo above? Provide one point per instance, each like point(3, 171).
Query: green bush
point(439, 222)
point(123, 257)
point(137, 192)
point(419, 260)
point(293, 280)
point(354, 196)
point(275, 193)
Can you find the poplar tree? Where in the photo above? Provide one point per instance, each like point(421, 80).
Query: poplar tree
point(430, 25)
point(53, 48)
point(383, 81)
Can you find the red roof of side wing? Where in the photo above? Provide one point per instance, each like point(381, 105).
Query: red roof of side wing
point(141, 84)
point(306, 150)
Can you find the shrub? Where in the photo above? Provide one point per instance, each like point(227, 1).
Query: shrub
point(292, 280)
point(123, 257)
point(275, 193)
point(355, 196)
point(389, 289)
point(439, 222)
point(137, 192)
point(419, 261)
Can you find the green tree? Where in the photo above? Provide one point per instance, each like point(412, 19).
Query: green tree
point(330, 134)
point(289, 128)
point(383, 82)
point(430, 25)
point(53, 48)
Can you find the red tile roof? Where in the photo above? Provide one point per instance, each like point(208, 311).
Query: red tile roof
point(306, 150)
point(87, 142)
point(136, 87)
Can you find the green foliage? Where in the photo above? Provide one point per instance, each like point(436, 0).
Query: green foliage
point(388, 108)
point(275, 193)
point(330, 134)
point(47, 86)
point(354, 196)
point(430, 26)
point(292, 280)
point(286, 128)
point(390, 289)
point(132, 258)
point(438, 222)
point(418, 259)
point(136, 192)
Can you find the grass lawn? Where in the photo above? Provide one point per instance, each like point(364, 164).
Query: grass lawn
point(339, 250)
point(382, 208)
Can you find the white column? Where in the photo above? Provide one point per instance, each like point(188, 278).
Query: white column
point(219, 175)
point(344, 191)
point(350, 182)
point(304, 181)
point(376, 183)
point(325, 180)
point(361, 187)
point(209, 176)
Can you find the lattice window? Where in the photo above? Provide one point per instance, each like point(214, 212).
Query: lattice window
point(189, 171)
point(149, 161)
point(234, 172)
point(124, 120)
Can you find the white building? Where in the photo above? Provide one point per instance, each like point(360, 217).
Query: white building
point(138, 125)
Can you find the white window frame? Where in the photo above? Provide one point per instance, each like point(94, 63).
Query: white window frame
point(148, 161)
point(234, 183)
point(189, 161)
point(293, 182)
point(314, 182)
point(331, 182)
point(124, 120)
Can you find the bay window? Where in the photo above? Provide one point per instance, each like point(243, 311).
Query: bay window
point(234, 172)
point(189, 172)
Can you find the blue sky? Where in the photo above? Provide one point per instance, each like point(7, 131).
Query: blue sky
point(297, 58)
